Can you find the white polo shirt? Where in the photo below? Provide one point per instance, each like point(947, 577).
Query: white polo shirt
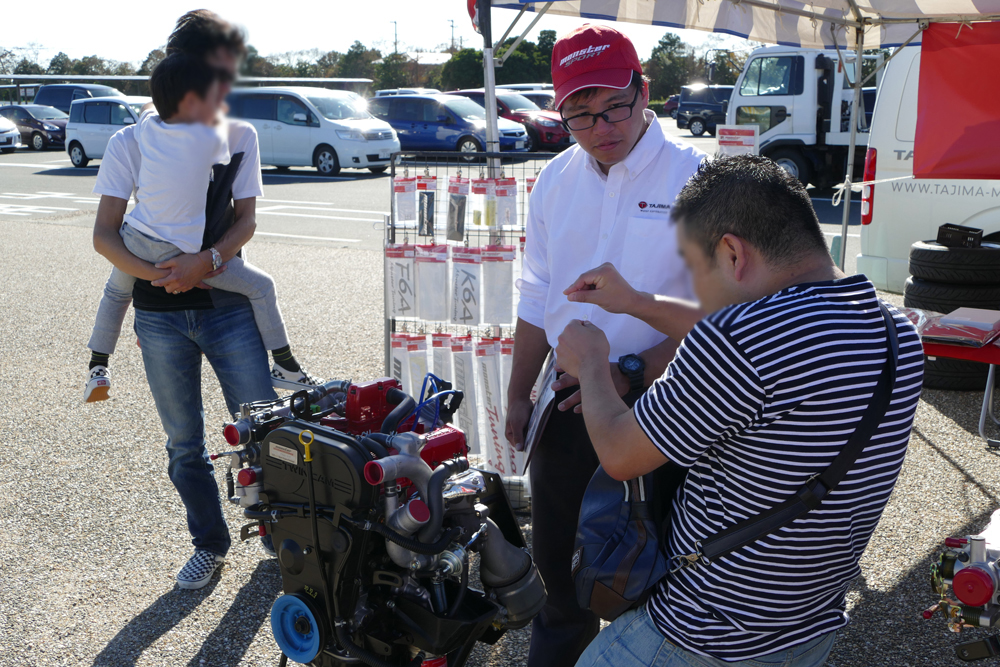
point(578, 219)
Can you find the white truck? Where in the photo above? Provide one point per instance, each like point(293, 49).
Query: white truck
point(801, 101)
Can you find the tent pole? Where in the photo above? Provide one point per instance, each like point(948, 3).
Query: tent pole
point(489, 79)
point(859, 41)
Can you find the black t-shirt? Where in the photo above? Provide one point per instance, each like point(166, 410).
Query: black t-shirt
point(219, 217)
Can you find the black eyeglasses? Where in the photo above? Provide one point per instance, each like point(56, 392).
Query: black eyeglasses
point(615, 114)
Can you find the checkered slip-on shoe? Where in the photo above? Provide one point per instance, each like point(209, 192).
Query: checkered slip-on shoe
point(199, 569)
point(282, 378)
point(98, 384)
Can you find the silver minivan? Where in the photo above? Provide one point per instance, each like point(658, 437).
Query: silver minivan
point(327, 129)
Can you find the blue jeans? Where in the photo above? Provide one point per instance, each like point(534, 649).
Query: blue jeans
point(172, 344)
point(633, 640)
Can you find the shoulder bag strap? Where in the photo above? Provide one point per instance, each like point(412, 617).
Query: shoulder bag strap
point(817, 487)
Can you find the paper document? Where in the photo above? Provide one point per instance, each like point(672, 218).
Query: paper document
point(544, 404)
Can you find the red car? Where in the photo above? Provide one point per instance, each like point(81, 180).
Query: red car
point(544, 127)
point(670, 106)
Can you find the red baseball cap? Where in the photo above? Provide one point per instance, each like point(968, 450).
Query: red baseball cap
point(592, 56)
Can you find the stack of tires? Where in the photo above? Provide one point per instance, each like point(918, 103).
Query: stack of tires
point(944, 279)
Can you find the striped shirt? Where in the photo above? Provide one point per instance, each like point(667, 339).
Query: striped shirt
point(761, 396)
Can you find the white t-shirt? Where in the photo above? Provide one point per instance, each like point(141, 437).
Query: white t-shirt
point(121, 173)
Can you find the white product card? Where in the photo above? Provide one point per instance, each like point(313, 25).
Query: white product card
point(431, 266)
point(495, 444)
point(400, 284)
point(463, 360)
point(506, 194)
point(466, 285)
point(404, 190)
point(400, 370)
point(441, 356)
point(416, 349)
point(484, 202)
point(498, 284)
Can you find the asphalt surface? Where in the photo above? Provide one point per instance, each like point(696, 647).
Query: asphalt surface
point(92, 532)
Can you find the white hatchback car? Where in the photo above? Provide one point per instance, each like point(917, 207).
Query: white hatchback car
point(326, 129)
point(92, 122)
point(10, 136)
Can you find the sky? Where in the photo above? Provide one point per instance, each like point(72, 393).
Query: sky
point(276, 27)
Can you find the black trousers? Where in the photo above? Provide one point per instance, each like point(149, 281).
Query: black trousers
point(560, 470)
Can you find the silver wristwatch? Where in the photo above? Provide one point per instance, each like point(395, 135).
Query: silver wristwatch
point(216, 258)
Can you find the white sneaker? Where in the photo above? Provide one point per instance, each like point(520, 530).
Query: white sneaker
point(199, 569)
point(98, 384)
point(282, 378)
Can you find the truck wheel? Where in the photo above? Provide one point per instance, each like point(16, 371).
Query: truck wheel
point(697, 127)
point(944, 297)
point(794, 162)
point(959, 266)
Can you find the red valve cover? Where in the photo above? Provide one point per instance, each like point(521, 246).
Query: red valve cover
point(365, 407)
point(973, 586)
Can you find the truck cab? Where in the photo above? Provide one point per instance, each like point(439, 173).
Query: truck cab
point(801, 101)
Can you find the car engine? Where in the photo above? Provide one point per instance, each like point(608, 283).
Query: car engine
point(374, 514)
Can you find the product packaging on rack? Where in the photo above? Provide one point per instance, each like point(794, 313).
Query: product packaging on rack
point(441, 356)
point(426, 194)
point(400, 370)
point(498, 284)
point(495, 445)
point(463, 360)
point(466, 285)
point(400, 282)
point(404, 190)
point(484, 202)
point(416, 355)
point(431, 266)
point(458, 200)
point(506, 365)
point(506, 195)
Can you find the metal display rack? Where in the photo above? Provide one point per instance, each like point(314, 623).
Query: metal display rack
point(443, 165)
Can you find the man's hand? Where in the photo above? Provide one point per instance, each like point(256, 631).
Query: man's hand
point(581, 343)
point(603, 287)
point(565, 380)
point(186, 271)
point(518, 415)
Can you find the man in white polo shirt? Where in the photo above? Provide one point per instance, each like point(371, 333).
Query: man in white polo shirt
point(607, 199)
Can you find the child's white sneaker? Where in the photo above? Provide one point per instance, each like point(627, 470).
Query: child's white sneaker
point(282, 378)
point(98, 384)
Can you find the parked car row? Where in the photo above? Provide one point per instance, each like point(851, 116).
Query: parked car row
point(303, 126)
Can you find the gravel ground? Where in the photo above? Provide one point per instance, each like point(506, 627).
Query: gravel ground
point(92, 532)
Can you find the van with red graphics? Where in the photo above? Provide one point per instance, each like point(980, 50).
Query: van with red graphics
point(897, 213)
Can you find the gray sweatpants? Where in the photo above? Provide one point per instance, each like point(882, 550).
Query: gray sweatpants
point(240, 277)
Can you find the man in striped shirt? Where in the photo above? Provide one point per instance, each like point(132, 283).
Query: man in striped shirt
point(762, 394)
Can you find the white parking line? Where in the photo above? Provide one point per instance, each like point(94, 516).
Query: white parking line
point(851, 236)
point(313, 238)
point(321, 217)
point(35, 165)
point(54, 161)
point(319, 203)
point(314, 178)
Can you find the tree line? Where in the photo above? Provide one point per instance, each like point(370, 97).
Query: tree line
point(671, 64)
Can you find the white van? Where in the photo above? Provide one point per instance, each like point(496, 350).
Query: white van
point(895, 215)
point(93, 121)
point(326, 129)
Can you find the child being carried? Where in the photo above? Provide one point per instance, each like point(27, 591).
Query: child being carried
point(179, 143)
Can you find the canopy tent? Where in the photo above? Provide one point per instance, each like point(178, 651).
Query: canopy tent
point(824, 24)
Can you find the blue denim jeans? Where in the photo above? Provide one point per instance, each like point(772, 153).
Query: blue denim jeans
point(172, 344)
point(634, 641)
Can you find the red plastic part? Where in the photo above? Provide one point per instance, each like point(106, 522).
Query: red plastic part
point(231, 434)
point(973, 586)
point(419, 510)
point(435, 662)
point(955, 542)
point(927, 614)
point(261, 530)
point(445, 443)
point(364, 408)
point(246, 477)
point(374, 473)
point(868, 191)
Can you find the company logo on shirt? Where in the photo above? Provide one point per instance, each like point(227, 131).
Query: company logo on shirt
point(649, 207)
point(583, 54)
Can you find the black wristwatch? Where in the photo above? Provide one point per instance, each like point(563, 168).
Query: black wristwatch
point(634, 368)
